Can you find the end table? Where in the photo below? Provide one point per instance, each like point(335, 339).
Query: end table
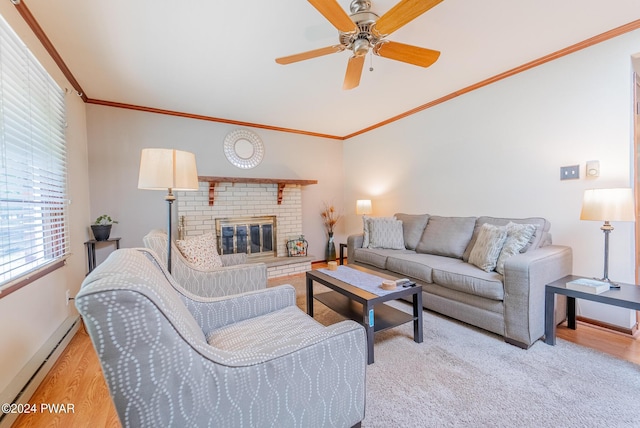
point(342, 247)
point(91, 251)
point(627, 296)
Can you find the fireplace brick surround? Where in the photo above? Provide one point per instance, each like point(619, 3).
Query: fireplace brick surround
point(248, 200)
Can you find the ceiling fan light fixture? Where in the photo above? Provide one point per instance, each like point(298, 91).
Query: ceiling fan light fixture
point(361, 47)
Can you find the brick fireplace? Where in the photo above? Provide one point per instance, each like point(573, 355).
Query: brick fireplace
point(198, 212)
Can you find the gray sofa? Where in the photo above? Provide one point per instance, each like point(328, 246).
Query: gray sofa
point(435, 253)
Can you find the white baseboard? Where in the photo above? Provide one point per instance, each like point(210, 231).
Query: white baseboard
point(27, 381)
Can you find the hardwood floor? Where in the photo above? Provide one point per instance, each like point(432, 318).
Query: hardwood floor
point(76, 378)
point(610, 342)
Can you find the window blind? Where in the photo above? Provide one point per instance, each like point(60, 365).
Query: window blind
point(33, 168)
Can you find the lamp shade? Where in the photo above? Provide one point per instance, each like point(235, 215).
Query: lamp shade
point(162, 169)
point(363, 207)
point(608, 205)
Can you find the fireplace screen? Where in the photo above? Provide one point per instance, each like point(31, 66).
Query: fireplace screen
point(255, 236)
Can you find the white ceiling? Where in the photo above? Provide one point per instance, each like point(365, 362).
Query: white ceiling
point(216, 58)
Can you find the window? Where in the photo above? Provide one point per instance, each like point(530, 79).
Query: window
point(33, 170)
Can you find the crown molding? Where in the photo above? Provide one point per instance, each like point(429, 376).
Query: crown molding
point(35, 27)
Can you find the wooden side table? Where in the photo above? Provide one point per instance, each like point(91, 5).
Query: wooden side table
point(91, 251)
point(627, 296)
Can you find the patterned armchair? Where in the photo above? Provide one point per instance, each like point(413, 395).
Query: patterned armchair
point(171, 358)
point(235, 277)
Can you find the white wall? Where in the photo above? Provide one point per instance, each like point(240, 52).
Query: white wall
point(116, 137)
point(32, 314)
point(498, 151)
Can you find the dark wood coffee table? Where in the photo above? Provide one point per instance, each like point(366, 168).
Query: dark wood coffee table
point(364, 307)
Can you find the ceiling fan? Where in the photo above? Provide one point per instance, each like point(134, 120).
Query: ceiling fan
point(364, 31)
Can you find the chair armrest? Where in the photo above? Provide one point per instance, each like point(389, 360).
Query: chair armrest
point(214, 313)
point(525, 278)
point(353, 242)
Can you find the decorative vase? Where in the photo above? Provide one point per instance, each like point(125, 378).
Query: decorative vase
point(101, 231)
point(330, 253)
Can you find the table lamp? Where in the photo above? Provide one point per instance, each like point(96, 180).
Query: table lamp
point(363, 207)
point(608, 205)
point(168, 169)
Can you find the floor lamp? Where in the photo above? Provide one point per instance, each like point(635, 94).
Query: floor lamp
point(608, 205)
point(168, 169)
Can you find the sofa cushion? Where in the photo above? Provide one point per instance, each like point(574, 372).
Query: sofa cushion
point(518, 236)
point(446, 236)
point(376, 256)
point(488, 246)
point(386, 234)
point(267, 332)
point(412, 228)
point(540, 238)
point(418, 266)
point(469, 279)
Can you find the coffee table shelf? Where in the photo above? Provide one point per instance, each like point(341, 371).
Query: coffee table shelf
point(385, 317)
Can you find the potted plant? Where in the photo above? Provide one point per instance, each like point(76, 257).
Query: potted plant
point(101, 228)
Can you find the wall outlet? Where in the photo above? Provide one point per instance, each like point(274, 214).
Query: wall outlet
point(68, 297)
point(569, 172)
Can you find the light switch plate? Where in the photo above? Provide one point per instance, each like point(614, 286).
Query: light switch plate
point(569, 172)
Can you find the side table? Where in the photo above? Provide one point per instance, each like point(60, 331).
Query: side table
point(91, 251)
point(342, 247)
point(627, 296)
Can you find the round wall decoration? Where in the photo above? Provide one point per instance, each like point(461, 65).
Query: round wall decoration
point(243, 148)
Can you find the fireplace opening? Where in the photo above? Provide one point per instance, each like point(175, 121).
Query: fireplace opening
point(255, 236)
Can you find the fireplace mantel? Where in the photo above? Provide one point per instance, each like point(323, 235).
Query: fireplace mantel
point(281, 182)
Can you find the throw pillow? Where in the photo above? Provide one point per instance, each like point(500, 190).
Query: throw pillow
point(386, 234)
point(201, 251)
point(538, 239)
point(365, 231)
point(518, 236)
point(366, 222)
point(487, 248)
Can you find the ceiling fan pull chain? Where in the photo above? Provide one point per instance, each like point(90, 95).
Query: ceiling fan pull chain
point(370, 62)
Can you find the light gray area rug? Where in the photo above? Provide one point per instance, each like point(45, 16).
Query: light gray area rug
point(461, 376)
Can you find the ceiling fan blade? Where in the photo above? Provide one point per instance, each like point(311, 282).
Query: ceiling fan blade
point(402, 13)
point(309, 54)
point(354, 71)
point(407, 53)
point(331, 10)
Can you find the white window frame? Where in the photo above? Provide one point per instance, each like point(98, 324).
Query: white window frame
point(33, 167)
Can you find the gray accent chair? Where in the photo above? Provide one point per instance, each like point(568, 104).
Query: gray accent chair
point(173, 359)
point(234, 277)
